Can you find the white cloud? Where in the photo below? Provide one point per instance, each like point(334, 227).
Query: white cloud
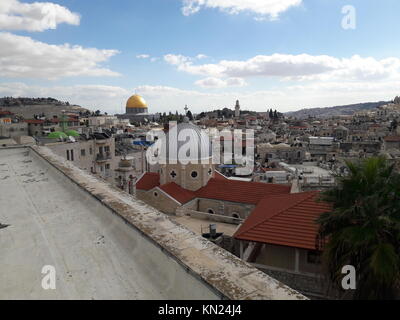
point(147, 57)
point(201, 56)
point(294, 67)
point(23, 57)
point(176, 59)
point(37, 16)
point(262, 8)
point(221, 83)
point(179, 60)
point(143, 56)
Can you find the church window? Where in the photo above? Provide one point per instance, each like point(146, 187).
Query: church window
point(210, 211)
point(173, 174)
point(194, 174)
point(209, 172)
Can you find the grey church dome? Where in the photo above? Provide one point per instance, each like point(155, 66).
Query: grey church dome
point(185, 142)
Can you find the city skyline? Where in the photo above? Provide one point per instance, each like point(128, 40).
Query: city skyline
point(285, 55)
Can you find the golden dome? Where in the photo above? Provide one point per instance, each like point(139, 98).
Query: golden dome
point(136, 102)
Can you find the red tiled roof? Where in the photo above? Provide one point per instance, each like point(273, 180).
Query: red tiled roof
point(177, 192)
point(148, 181)
point(239, 191)
point(287, 220)
point(392, 139)
point(218, 175)
point(34, 121)
point(6, 113)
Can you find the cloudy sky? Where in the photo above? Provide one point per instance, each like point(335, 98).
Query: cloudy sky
point(285, 54)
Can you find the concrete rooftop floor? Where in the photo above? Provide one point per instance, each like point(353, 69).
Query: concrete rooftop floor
point(51, 222)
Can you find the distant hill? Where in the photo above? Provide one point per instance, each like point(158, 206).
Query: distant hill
point(21, 101)
point(28, 107)
point(335, 111)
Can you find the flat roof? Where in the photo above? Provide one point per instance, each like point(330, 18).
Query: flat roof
point(104, 243)
point(53, 223)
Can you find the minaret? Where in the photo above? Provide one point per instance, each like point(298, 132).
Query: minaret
point(237, 109)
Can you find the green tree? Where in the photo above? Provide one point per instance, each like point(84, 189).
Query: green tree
point(189, 115)
point(363, 229)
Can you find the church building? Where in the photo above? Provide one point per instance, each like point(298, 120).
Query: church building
point(197, 185)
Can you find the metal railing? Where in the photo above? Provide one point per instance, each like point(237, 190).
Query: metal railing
point(103, 156)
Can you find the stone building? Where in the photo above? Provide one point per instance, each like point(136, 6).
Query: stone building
point(96, 155)
point(13, 129)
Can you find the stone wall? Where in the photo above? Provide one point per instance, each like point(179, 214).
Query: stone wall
point(313, 287)
point(13, 130)
point(182, 211)
point(159, 200)
point(225, 208)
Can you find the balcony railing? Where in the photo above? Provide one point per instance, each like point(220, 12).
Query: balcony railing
point(103, 156)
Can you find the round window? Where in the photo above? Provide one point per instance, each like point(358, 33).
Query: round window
point(155, 194)
point(194, 174)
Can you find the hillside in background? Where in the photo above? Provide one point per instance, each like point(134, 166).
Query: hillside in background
point(28, 107)
point(335, 111)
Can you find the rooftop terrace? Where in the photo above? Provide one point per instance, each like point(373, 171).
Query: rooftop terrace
point(105, 244)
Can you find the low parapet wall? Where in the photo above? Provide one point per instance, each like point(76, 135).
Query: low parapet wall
point(225, 275)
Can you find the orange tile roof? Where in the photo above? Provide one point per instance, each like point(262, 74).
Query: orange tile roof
point(239, 191)
point(287, 220)
point(177, 192)
point(148, 181)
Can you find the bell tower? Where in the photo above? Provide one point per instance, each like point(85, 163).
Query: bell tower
point(237, 109)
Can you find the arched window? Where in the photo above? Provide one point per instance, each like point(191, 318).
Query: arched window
point(210, 211)
point(235, 215)
point(155, 193)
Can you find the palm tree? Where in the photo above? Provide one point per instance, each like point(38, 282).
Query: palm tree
point(363, 228)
